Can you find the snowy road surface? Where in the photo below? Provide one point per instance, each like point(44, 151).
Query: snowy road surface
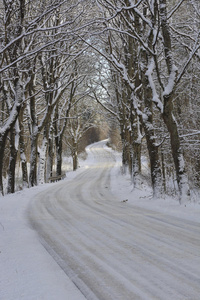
point(111, 249)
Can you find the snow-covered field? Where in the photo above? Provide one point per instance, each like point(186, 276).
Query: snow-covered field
point(91, 245)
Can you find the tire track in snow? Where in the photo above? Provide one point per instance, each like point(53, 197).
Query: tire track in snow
point(112, 251)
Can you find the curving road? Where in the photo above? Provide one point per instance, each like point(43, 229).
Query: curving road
point(112, 250)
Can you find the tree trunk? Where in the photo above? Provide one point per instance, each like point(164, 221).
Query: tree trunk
point(50, 159)
point(163, 170)
point(135, 142)
point(33, 160)
point(3, 136)
point(136, 162)
point(177, 151)
point(42, 161)
point(168, 116)
point(75, 161)
point(12, 161)
point(147, 122)
point(156, 175)
point(125, 147)
point(75, 156)
point(2, 148)
point(22, 150)
point(59, 156)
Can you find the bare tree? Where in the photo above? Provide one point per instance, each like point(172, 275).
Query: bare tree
point(147, 23)
point(11, 83)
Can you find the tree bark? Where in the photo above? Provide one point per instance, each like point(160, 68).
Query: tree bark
point(8, 127)
point(12, 161)
point(23, 150)
point(75, 161)
point(136, 161)
point(58, 155)
point(34, 130)
point(33, 160)
point(156, 175)
point(2, 149)
point(75, 156)
point(50, 159)
point(42, 161)
point(177, 151)
point(168, 116)
point(147, 122)
point(125, 149)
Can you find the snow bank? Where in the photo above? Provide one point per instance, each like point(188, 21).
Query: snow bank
point(142, 197)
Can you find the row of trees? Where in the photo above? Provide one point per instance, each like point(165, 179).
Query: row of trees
point(42, 80)
point(152, 48)
point(139, 59)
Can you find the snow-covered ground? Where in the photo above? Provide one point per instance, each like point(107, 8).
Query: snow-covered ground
point(142, 196)
point(28, 271)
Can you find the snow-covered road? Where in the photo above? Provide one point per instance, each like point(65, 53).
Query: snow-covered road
point(112, 249)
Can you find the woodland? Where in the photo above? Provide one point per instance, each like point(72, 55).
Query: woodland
point(77, 71)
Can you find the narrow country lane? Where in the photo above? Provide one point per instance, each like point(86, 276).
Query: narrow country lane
point(113, 250)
